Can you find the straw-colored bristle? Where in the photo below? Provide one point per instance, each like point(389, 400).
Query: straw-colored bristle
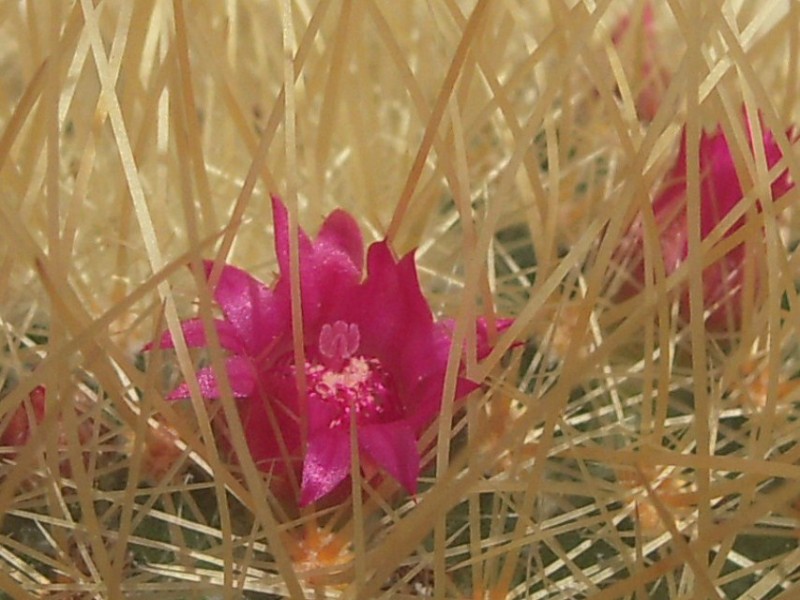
point(614, 447)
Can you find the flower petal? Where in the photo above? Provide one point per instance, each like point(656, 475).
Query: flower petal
point(424, 400)
point(265, 440)
point(389, 307)
point(720, 190)
point(395, 281)
point(326, 465)
point(280, 218)
point(340, 233)
point(482, 327)
point(721, 187)
point(256, 314)
point(393, 447)
point(195, 336)
point(330, 267)
point(241, 376)
point(484, 348)
point(321, 415)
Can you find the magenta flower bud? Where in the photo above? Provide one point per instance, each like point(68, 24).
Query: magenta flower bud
point(720, 192)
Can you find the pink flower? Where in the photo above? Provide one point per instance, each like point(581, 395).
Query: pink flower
point(373, 353)
point(720, 192)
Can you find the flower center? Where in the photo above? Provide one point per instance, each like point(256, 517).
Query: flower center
point(350, 382)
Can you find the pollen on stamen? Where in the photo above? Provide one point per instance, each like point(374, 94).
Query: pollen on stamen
point(360, 385)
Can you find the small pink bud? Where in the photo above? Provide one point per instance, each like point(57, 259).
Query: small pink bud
point(720, 192)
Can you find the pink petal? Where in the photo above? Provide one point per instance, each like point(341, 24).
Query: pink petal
point(422, 356)
point(280, 217)
point(195, 336)
point(389, 306)
point(326, 465)
point(256, 314)
point(330, 267)
point(484, 348)
point(425, 400)
point(263, 439)
point(396, 280)
point(320, 415)
point(783, 183)
point(426, 355)
point(464, 387)
point(720, 188)
point(241, 376)
point(340, 233)
point(392, 447)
